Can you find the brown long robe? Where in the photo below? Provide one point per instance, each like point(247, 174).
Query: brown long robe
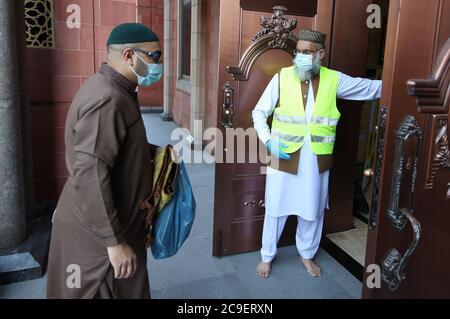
point(108, 159)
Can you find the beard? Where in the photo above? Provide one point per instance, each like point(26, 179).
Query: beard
point(308, 75)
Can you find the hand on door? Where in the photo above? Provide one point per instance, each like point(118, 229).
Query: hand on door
point(275, 149)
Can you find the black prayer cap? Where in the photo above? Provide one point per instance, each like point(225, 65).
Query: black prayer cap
point(131, 33)
point(312, 36)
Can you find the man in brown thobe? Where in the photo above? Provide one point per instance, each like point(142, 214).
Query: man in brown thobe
point(97, 247)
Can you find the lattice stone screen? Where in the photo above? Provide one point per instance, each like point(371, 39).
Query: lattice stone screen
point(39, 23)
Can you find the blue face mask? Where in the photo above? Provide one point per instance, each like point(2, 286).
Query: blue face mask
point(304, 62)
point(154, 74)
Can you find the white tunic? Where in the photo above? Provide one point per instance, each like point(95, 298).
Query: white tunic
point(304, 194)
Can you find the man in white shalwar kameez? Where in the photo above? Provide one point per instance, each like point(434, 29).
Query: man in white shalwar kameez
point(303, 191)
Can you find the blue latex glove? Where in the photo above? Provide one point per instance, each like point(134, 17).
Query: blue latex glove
point(275, 149)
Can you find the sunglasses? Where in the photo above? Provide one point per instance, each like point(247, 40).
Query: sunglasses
point(155, 55)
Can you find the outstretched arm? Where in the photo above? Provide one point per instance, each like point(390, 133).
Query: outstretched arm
point(358, 89)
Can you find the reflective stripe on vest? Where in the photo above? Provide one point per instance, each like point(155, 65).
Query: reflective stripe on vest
point(301, 139)
point(288, 138)
point(302, 120)
point(324, 121)
point(323, 139)
point(289, 121)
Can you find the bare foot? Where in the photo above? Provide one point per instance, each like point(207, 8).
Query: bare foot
point(264, 269)
point(312, 268)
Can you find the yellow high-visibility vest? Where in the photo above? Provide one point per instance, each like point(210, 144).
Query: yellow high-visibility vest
point(290, 125)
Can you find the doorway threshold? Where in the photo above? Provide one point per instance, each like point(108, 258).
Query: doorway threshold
point(343, 258)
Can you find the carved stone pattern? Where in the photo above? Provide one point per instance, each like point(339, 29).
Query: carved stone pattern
point(39, 23)
point(277, 26)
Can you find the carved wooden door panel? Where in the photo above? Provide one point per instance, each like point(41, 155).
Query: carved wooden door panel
point(251, 52)
point(249, 57)
point(410, 239)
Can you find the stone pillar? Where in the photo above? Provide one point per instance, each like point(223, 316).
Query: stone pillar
point(168, 70)
point(21, 51)
point(12, 188)
point(198, 71)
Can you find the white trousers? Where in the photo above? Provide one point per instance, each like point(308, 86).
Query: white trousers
point(307, 238)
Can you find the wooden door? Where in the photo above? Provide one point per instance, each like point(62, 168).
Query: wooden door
point(409, 236)
point(239, 201)
point(250, 54)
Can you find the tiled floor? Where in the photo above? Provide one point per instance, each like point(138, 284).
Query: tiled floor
point(354, 241)
point(194, 273)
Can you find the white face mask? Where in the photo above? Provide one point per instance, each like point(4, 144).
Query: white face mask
point(304, 62)
point(307, 65)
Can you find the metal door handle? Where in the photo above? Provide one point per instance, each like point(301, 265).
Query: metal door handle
point(394, 265)
point(377, 170)
point(253, 203)
point(227, 106)
point(408, 137)
point(369, 172)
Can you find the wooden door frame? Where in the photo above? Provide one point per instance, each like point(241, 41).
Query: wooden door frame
point(341, 19)
point(401, 44)
point(353, 62)
point(228, 27)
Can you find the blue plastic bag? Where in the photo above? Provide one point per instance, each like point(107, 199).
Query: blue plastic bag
point(173, 224)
